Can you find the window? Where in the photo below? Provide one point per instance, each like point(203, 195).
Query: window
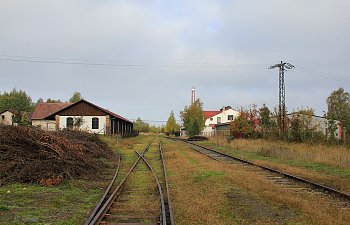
point(95, 123)
point(219, 119)
point(69, 122)
point(3, 117)
point(211, 119)
point(230, 117)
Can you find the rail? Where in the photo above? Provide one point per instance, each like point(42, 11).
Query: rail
point(162, 205)
point(97, 218)
point(325, 189)
point(170, 208)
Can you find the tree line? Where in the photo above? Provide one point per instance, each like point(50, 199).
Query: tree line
point(262, 122)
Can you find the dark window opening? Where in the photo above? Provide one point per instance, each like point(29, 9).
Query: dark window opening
point(230, 117)
point(69, 122)
point(95, 123)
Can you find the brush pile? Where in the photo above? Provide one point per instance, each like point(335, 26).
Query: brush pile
point(28, 154)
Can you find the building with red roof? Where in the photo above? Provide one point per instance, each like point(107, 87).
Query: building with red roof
point(83, 115)
point(213, 118)
point(43, 110)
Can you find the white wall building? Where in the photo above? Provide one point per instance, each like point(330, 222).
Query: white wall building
point(212, 118)
point(6, 117)
point(94, 124)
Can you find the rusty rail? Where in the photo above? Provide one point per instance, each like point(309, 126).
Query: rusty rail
point(170, 208)
point(103, 199)
point(101, 213)
point(325, 189)
point(162, 204)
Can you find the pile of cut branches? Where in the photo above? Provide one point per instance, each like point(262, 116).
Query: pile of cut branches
point(31, 155)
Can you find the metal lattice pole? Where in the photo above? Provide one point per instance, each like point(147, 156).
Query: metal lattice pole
point(282, 95)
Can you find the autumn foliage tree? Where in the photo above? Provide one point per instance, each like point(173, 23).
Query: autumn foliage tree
point(171, 126)
point(241, 127)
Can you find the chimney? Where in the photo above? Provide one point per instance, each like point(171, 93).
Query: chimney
point(193, 99)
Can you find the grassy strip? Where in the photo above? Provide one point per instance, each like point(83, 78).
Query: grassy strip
point(67, 203)
point(312, 166)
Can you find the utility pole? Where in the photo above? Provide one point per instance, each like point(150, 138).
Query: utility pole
point(282, 95)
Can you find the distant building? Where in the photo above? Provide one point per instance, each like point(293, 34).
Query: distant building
point(44, 110)
point(93, 118)
point(213, 118)
point(6, 117)
point(320, 124)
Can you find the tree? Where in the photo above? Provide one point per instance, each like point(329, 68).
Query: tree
point(192, 118)
point(265, 119)
point(17, 101)
point(78, 122)
point(339, 107)
point(241, 127)
point(171, 126)
point(40, 100)
point(141, 126)
point(49, 100)
point(76, 97)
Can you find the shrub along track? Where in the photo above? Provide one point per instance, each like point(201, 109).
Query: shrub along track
point(287, 181)
point(141, 197)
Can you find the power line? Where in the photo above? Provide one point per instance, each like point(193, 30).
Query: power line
point(161, 64)
point(322, 75)
point(127, 63)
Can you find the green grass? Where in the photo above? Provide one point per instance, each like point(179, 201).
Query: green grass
point(67, 203)
point(205, 175)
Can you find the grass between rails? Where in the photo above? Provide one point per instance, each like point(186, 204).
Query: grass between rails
point(311, 162)
point(212, 192)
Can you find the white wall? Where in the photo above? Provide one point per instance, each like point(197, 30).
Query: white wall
point(208, 131)
point(87, 123)
point(7, 118)
point(48, 125)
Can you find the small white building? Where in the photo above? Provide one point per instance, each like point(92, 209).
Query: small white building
point(212, 118)
point(6, 117)
point(86, 116)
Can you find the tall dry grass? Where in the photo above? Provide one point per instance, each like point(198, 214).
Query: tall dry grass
point(207, 201)
point(336, 156)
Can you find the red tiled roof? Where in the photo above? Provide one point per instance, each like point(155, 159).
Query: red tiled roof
point(208, 114)
point(96, 106)
point(43, 110)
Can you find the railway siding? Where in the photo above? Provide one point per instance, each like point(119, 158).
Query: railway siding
point(138, 196)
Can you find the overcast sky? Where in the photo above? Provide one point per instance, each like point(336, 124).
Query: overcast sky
point(141, 58)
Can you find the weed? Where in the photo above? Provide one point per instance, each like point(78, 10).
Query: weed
point(4, 208)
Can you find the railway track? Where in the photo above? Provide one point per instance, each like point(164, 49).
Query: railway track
point(141, 197)
point(287, 181)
